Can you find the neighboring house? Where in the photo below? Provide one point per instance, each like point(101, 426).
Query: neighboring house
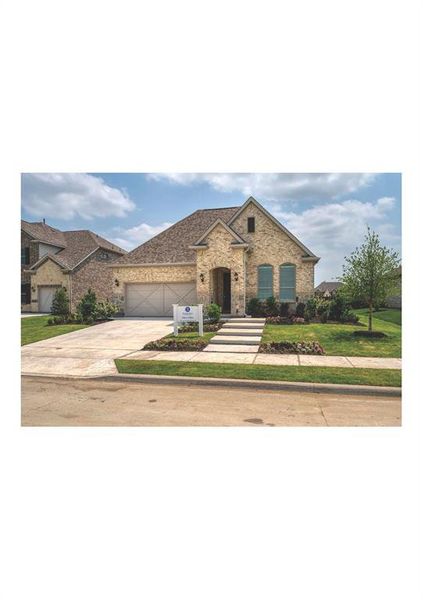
point(394, 301)
point(327, 289)
point(76, 260)
point(222, 255)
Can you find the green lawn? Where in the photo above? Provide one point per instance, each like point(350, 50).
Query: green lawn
point(392, 315)
point(34, 329)
point(338, 339)
point(385, 377)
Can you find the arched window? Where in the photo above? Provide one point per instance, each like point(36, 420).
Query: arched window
point(265, 282)
point(287, 280)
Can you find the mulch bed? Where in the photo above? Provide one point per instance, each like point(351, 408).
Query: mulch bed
point(291, 348)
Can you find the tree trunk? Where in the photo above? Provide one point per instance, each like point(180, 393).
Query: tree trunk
point(370, 316)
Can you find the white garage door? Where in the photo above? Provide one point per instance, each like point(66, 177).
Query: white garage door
point(45, 297)
point(156, 299)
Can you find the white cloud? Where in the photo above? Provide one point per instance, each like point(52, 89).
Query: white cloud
point(134, 236)
point(276, 186)
point(332, 231)
point(69, 195)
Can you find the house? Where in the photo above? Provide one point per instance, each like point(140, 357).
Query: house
point(51, 258)
point(327, 289)
point(222, 255)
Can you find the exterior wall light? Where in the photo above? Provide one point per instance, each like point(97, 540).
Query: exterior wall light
point(236, 276)
point(202, 277)
point(117, 282)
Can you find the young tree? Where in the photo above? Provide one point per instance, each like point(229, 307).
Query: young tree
point(60, 304)
point(368, 274)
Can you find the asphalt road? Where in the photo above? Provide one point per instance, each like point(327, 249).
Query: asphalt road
point(83, 402)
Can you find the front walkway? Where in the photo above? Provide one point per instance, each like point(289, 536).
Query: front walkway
point(238, 335)
point(302, 360)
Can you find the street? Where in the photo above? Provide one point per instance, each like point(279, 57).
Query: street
point(90, 402)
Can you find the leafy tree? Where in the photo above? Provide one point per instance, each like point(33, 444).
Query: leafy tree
point(60, 304)
point(368, 273)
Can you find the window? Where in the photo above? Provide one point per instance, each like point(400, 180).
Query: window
point(287, 292)
point(25, 293)
point(265, 281)
point(251, 224)
point(25, 256)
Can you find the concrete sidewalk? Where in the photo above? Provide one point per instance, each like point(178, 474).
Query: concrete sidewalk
point(249, 358)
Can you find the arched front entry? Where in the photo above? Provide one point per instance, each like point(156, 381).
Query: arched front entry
point(220, 280)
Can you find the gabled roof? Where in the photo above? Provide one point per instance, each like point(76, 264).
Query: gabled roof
point(328, 286)
point(173, 244)
point(308, 253)
point(41, 232)
point(237, 238)
point(79, 245)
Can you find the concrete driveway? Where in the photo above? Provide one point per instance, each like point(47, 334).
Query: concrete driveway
point(91, 351)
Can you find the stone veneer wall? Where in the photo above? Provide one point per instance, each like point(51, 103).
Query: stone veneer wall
point(47, 274)
point(220, 253)
point(26, 241)
point(94, 273)
point(269, 245)
point(148, 274)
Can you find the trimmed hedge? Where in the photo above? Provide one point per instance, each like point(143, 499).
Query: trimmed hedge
point(291, 348)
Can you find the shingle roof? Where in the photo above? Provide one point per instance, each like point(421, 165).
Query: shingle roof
point(172, 245)
point(328, 286)
point(44, 233)
point(77, 245)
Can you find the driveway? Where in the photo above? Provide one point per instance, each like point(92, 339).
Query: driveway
point(91, 351)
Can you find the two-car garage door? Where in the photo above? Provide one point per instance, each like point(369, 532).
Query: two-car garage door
point(156, 299)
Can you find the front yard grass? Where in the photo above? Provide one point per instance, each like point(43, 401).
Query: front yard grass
point(392, 315)
point(338, 339)
point(35, 329)
point(383, 377)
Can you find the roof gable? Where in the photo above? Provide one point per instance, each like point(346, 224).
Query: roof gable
point(237, 238)
point(308, 253)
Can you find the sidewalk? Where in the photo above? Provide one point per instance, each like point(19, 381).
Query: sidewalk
point(361, 362)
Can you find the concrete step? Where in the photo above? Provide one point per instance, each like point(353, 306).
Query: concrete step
point(241, 326)
point(246, 320)
point(236, 339)
point(236, 331)
point(239, 348)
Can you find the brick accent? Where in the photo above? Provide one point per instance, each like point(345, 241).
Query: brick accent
point(94, 273)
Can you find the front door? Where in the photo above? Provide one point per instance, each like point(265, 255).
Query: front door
point(226, 308)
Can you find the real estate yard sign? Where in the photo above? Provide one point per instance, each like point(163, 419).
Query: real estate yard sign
point(187, 314)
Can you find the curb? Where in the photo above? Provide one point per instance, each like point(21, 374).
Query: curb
point(255, 384)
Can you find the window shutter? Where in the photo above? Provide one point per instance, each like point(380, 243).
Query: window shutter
point(265, 281)
point(287, 283)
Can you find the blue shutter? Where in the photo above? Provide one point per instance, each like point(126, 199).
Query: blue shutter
point(265, 281)
point(287, 291)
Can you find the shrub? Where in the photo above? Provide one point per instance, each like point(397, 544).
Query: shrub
point(349, 317)
point(324, 317)
point(213, 313)
point(271, 307)
point(338, 307)
point(278, 321)
point(105, 310)
point(299, 311)
point(310, 308)
point(50, 321)
point(60, 304)
point(291, 348)
point(175, 344)
point(86, 308)
point(255, 307)
point(284, 309)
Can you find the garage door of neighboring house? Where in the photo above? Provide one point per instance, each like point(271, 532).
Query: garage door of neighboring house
point(156, 299)
point(45, 297)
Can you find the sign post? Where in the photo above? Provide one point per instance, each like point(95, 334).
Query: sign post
point(188, 314)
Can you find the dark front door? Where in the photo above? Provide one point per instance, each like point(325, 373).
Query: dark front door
point(226, 308)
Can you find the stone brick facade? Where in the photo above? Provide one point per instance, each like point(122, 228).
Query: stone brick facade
point(148, 274)
point(219, 253)
point(94, 273)
point(49, 273)
point(26, 242)
point(272, 246)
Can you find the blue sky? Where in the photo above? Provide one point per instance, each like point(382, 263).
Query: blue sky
point(329, 212)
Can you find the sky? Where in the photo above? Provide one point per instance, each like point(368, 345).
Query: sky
point(328, 212)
